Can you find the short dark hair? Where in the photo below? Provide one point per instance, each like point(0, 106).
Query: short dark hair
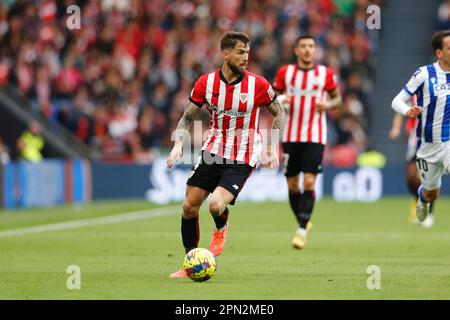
point(231, 38)
point(438, 39)
point(305, 36)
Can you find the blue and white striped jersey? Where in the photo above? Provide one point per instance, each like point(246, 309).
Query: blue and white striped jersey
point(431, 84)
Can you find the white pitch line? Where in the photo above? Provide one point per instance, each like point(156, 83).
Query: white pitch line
point(116, 218)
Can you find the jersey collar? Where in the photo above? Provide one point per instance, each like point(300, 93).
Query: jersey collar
point(222, 77)
point(305, 69)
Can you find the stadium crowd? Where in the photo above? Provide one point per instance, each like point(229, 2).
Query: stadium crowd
point(120, 82)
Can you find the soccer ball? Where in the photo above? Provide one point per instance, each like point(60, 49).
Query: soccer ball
point(200, 264)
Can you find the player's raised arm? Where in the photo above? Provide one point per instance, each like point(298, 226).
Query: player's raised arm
point(399, 104)
point(184, 124)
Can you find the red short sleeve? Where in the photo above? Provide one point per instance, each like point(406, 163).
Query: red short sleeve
point(264, 93)
point(330, 80)
point(198, 93)
point(280, 79)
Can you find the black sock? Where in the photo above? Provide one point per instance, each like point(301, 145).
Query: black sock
point(190, 232)
point(221, 220)
point(294, 200)
point(431, 208)
point(307, 200)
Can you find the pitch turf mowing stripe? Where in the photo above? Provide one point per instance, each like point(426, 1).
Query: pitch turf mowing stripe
point(116, 218)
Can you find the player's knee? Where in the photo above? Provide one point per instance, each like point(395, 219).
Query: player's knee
point(431, 196)
point(216, 206)
point(293, 186)
point(309, 183)
point(189, 211)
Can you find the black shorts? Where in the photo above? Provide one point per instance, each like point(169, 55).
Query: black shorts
point(303, 157)
point(212, 171)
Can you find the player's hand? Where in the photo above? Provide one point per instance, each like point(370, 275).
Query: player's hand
point(271, 159)
point(175, 155)
point(394, 133)
point(322, 105)
point(414, 112)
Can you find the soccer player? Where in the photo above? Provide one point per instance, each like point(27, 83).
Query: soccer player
point(431, 84)
point(303, 87)
point(412, 174)
point(233, 97)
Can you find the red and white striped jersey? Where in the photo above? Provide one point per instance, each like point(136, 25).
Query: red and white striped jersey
point(304, 87)
point(234, 113)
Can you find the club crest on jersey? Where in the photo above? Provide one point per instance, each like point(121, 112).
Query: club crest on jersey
point(243, 97)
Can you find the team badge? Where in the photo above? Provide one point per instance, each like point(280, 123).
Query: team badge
point(243, 97)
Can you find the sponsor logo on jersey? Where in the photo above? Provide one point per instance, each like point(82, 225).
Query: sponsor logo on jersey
point(442, 89)
point(230, 112)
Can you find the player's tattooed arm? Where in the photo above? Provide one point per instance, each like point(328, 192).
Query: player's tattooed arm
point(277, 111)
point(190, 112)
point(270, 160)
point(334, 102)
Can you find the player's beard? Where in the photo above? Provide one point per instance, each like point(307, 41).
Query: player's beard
point(235, 69)
point(307, 62)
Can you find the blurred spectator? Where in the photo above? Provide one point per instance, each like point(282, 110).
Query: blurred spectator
point(4, 154)
point(443, 16)
point(31, 143)
point(371, 158)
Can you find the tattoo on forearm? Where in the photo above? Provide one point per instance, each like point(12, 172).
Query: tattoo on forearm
point(190, 112)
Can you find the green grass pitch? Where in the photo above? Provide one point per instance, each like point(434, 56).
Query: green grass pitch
point(132, 259)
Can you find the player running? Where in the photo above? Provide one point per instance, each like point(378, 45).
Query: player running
point(304, 86)
point(233, 98)
point(431, 84)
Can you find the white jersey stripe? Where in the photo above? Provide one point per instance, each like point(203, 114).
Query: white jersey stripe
point(231, 132)
point(297, 98)
point(208, 97)
point(439, 110)
point(288, 79)
point(220, 106)
point(257, 145)
point(245, 131)
point(307, 106)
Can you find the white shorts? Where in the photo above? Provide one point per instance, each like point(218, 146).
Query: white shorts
point(433, 161)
